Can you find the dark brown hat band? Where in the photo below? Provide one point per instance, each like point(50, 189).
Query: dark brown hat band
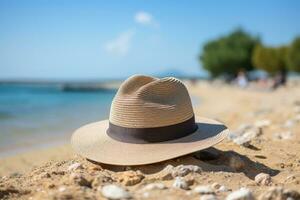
point(152, 135)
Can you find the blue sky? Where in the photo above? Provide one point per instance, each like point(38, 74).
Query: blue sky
point(70, 39)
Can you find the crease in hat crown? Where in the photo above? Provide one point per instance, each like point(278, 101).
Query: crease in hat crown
point(148, 102)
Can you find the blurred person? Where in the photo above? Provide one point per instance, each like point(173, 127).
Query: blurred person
point(241, 79)
point(280, 78)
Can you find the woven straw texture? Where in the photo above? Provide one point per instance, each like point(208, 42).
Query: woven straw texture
point(147, 102)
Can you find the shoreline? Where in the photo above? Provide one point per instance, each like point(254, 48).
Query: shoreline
point(35, 147)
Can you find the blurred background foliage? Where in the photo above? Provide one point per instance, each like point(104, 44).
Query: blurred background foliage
point(239, 50)
point(269, 59)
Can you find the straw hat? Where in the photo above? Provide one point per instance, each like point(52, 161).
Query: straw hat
point(151, 120)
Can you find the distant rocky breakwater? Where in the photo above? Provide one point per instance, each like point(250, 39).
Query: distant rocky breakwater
point(90, 87)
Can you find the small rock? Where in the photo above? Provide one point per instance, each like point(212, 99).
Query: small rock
point(50, 185)
point(279, 193)
point(262, 123)
point(293, 179)
point(241, 194)
point(41, 176)
point(115, 192)
point(179, 182)
point(80, 180)
point(166, 173)
point(289, 123)
point(154, 186)
point(208, 197)
point(100, 180)
point(170, 172)
point(236, 162)
point(263, 179)
point(245, 134)
point(240, 131)
point(62, 189)
point(215, 186)
point(223, 189)
point(183, 170)
point(287, 135)
point(96, 168)
point(203, 189)
point(146, 194)
point(129, 178)
point(246, 138)
point(75, 166)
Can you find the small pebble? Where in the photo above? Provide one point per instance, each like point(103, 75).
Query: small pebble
point(129, 178)
point(80, 180)
point(114, 192)
point(146, 194)
point(166, 173)
point(183, 170)
point(153, 186)
point(262, 123)
point(244, 135)
point(208, 197)
point(75, 166)
point(45, 175)
point(289, 123)
point(223, 189)
point(203, 189)
point(216, 186)
point(62, 189)
point(170, 172)
point(179, 182)
point(287, 135)
point(241, 194)
point(263, 179)
point(101, 179)
point(279, 193)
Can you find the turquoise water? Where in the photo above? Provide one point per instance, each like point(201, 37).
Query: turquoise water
point(31, 115)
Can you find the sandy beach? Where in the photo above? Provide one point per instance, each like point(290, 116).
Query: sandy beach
point(264, 138)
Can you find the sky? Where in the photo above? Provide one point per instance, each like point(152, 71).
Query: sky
point(72, 39)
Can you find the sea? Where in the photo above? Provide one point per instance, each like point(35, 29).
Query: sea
point(34, 115)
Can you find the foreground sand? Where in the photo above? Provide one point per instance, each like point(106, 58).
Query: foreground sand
point(274, 151)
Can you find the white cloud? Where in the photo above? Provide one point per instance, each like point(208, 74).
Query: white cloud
point(120, 45)
point(145, 18)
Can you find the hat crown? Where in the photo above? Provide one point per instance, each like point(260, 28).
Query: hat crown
point(148, 102)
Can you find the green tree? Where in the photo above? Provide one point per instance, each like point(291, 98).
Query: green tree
point(293, 56)
point(229, 54)
point(269, 59)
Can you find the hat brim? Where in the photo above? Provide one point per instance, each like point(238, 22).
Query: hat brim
point(92, 142)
